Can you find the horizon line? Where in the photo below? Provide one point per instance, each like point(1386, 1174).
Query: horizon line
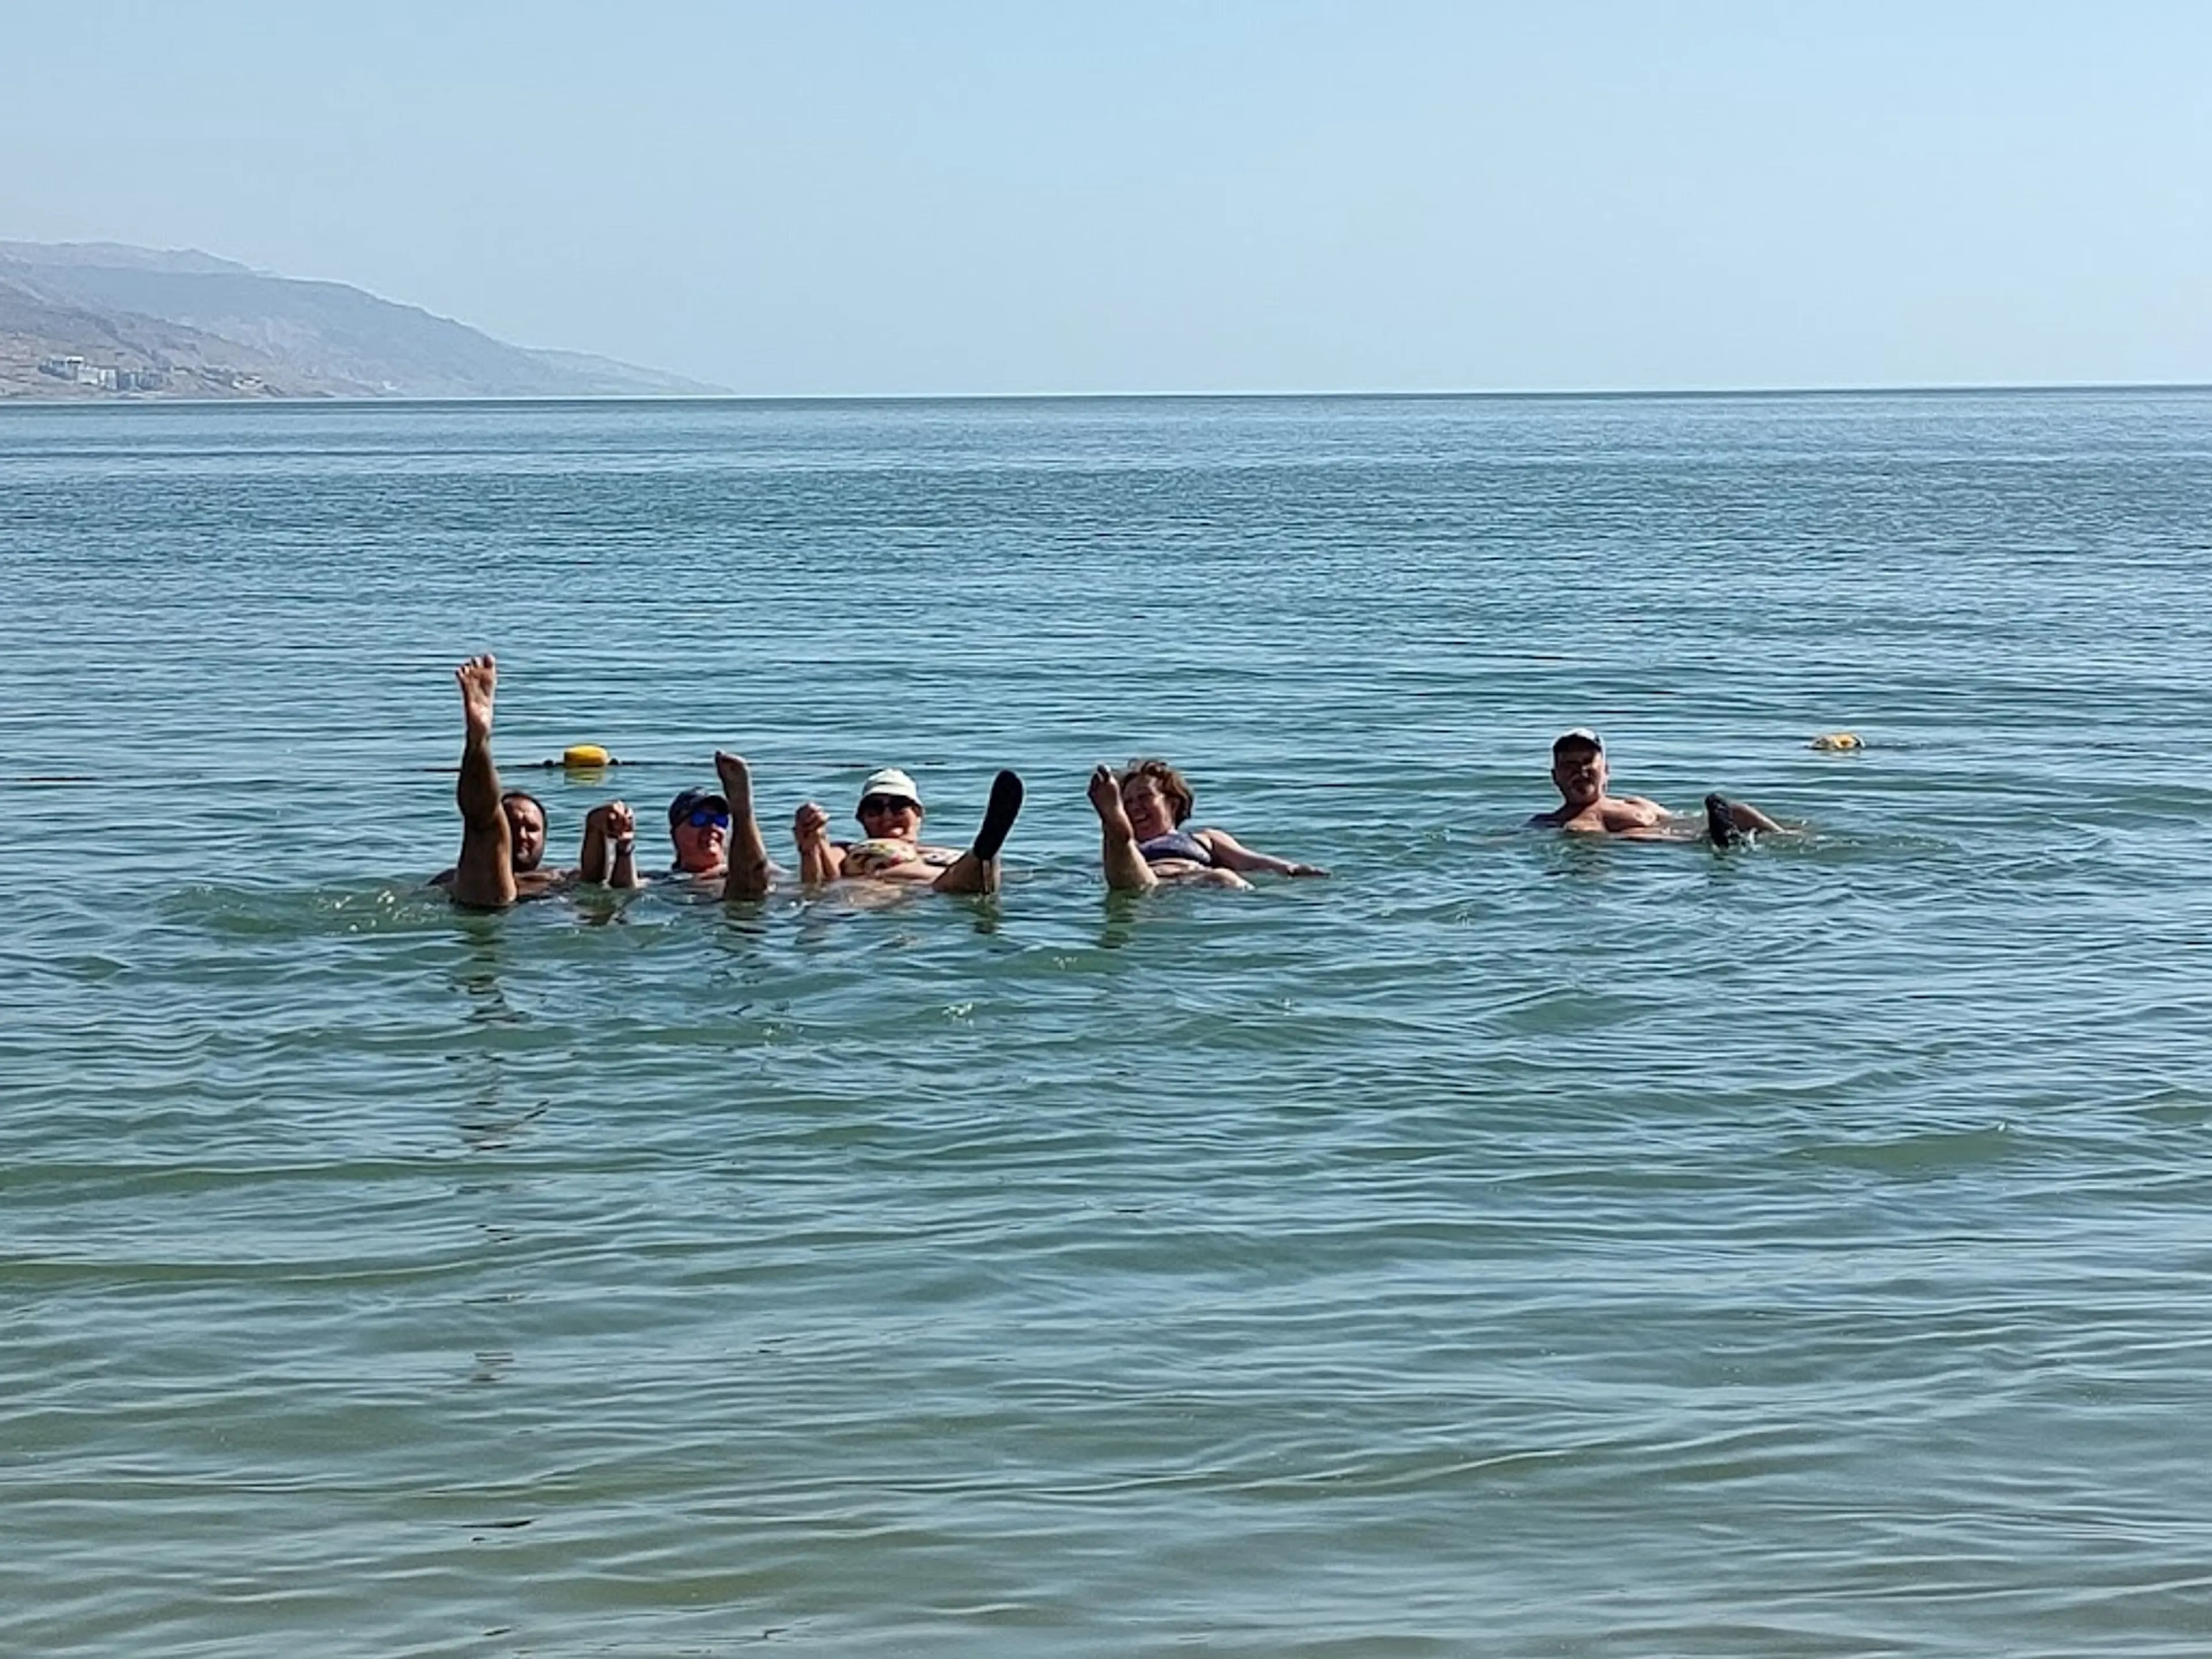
point(1517, 394)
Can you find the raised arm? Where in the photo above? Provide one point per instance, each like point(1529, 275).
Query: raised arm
point(1749, 817)
point(610, 852)
point(819, 861)
point(1230, 853)
point(483, 875)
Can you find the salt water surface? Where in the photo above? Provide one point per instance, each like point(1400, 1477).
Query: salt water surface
point(1502, 1246)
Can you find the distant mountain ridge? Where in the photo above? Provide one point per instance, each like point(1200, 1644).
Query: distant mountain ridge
point(103, 319)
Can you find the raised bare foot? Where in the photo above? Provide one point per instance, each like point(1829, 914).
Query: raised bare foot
point(1720, 822)
point(736, 779)
point(1105, 793)
point(1127, 871)
point(749, 871)
point(478, 678)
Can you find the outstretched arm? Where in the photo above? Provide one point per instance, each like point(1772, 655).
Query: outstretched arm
point(1749, 817)
point(609, 855)
point(1230, 853)
point(483, 875)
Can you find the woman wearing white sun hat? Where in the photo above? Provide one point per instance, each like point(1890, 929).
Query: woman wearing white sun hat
point(891, 848)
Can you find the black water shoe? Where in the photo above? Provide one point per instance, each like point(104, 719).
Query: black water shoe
point(1720, 823)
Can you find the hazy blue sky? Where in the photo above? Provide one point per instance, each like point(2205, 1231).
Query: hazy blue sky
point(915, 198)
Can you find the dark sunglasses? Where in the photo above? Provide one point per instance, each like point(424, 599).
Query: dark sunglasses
point(701, 817)
point(887, 804)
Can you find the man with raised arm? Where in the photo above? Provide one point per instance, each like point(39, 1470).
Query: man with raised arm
point(503, 833)
point(1578, 772)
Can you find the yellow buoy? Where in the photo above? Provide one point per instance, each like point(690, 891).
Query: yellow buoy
point(1834, 741)
point(580, 756)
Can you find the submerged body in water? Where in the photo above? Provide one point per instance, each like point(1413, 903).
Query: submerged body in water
point(891, 849)
point(1143, 812)
point(1588, 808)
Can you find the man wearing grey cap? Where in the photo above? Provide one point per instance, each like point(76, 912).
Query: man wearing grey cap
point(891, 847)
point(1578, 772)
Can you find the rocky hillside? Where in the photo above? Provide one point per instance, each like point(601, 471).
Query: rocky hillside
point(99, 319)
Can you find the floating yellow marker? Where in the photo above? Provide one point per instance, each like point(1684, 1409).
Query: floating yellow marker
point(1836, 741)
point(582, 756)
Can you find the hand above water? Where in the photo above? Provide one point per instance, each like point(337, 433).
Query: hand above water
point(614, 819)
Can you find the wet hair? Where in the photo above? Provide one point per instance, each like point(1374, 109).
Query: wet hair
point(1167, 780)
point(524, 794)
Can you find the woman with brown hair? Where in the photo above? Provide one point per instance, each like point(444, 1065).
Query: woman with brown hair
point(1141, 813)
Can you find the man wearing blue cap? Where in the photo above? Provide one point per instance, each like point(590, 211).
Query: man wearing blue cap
point(717, 837)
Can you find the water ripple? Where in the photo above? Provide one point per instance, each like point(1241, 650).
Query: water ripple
point(1506, 1246)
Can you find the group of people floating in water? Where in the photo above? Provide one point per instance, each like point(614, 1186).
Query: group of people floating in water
point(1143, 811)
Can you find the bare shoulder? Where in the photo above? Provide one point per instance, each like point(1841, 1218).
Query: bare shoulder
point(1621, 812)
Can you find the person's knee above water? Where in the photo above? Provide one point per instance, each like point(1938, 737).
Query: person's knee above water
point(1587, 807)
point(1142, 813)
point(891, 848)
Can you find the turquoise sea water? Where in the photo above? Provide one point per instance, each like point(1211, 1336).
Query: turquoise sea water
point(1504, 1247)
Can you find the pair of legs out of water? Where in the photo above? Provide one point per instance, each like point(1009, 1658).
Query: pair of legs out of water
point(975, 870)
